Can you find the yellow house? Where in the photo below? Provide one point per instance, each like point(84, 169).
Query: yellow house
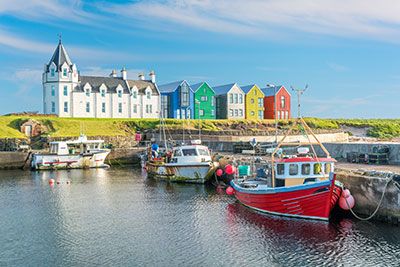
point(254, 99)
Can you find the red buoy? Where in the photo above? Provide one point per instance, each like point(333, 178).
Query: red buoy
point(229, 190)
point(229, 169)
point(51, 181)
point(219, 172)
point(343, 202)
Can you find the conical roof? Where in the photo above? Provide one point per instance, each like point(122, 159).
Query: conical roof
point(60, 57)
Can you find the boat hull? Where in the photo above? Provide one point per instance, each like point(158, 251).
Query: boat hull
point(70, 161)
point(308, 201)
point(193, 173)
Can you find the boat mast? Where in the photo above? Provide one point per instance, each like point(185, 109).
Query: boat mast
point(299, 92)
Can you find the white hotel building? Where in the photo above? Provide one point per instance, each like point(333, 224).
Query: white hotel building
point(69, 94)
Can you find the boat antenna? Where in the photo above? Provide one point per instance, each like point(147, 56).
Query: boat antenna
point(299, 92)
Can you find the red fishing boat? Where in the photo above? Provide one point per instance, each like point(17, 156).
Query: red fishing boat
point(301, 185)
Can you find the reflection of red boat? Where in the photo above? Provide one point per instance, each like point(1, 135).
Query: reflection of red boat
point(300, 185)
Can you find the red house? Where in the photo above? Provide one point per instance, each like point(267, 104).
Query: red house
point(282, 98)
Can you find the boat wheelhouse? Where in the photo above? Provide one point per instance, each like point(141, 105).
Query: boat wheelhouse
point(301, 185)
point(187, 163)
point(73, 154)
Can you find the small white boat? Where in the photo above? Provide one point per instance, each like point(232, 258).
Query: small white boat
point(75, 154)
point(190, 163)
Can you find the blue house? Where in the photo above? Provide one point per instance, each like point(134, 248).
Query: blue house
point(177, 100)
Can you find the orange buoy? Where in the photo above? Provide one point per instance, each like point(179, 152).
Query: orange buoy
point(51, 181)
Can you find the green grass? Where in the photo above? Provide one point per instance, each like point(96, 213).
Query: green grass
point(70, 127)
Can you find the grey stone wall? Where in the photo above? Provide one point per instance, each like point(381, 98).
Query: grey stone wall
point(367, 192)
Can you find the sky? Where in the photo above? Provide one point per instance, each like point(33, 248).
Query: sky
point(346, 51)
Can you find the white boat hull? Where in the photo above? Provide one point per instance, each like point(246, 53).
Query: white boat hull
point(193, 173)
point(70, 161)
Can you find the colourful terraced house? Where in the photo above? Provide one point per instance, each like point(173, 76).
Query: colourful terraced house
point(254, 99)
point(204, 101)
point(177, 100)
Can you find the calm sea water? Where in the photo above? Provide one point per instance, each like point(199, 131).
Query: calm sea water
point(117, 217)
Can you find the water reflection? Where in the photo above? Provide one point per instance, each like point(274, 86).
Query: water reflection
point(119, 217)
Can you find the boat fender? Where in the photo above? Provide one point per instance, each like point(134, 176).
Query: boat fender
point(346, 200)
point(229, 190)
point(154, 154)
point(219, 172)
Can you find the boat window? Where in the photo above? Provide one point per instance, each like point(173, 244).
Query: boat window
point(317, 168)
point(305, 169)
point(177, 153)
point(189, 152)
point(293, 169)
point(203, 152)
point(280, 169)
point(327, 168)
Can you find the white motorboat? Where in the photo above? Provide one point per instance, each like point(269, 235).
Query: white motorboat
point(75, 154)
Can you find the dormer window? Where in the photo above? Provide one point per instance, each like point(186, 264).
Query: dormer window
point(134, 94)
point(119, 93)
point(65, 72)
point(53, 72)
point(148, 95)
point(87, 92)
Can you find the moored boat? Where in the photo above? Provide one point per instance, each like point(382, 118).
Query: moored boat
point(187, 163)
point(301, 185)
point(74, 154)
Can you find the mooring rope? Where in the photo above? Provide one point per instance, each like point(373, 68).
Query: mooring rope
point(377, 208)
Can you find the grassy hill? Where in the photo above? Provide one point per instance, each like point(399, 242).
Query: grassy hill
point(66, 127)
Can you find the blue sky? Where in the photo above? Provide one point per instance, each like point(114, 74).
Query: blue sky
point(347, 51)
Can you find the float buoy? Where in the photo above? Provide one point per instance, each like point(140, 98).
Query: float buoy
point(229, 169)
point(229, 190)
point(58, 182)
point(346, 201)
point(51, 181)
point(68, 182)
point(219, 172)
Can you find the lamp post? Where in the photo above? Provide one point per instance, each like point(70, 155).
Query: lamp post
point(198, 102)
point(276, 122)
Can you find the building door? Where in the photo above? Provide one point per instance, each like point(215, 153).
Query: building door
point(28, 130)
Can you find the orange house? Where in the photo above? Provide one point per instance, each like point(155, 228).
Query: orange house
point(283, 110)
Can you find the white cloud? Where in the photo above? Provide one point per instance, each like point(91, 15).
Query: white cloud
point(46, 11)
point(351, 18)
point(338, 67)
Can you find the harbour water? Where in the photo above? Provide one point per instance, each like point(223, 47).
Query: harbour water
point(117, 217)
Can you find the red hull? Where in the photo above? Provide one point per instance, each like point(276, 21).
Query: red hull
point(312, 202)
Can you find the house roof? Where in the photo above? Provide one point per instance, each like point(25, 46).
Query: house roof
point(223, 89)
point(246, 89)
point(170, 87)
point(196, 86)
point(269, 91)
point(95, 82)
point(60, 57)
point(141, 85)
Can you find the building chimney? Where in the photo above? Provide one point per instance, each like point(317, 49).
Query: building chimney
point(123, 73)
point(113, 74)
point(152, 76)
point(141, 76)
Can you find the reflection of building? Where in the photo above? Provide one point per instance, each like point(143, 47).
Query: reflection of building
point(177, 100)
point(254, 102)
point(69, 94)
point(230, 101)
point(283, 103)
point(204, 101)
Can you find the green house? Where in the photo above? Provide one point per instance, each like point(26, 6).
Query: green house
point(204, 101)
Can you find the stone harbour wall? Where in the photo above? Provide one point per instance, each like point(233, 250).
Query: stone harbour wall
point(367, 192)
